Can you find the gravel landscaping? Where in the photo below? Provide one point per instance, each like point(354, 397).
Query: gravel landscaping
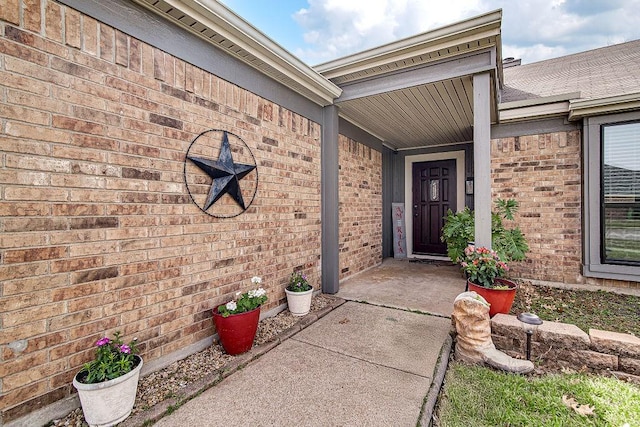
point(171, 381)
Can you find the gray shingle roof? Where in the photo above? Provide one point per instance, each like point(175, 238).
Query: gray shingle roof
point(608, 71)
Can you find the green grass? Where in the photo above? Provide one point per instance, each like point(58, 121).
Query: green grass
point(586, 309)
point(477, 396)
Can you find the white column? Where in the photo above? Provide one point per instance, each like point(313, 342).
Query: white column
point(482, 158)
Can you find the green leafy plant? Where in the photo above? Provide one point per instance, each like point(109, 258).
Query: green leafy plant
point(509, 243)
point(245, 301)
point(113, 359)
point(298, 282)
point(482, 266)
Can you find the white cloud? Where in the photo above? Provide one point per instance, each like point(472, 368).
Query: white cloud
point(531, 29)
point(533, 53)
point(336, 28)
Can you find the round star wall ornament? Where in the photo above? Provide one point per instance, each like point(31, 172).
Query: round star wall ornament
point(220, 173)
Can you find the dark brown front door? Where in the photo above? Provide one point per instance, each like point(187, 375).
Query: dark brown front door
point(434, 192)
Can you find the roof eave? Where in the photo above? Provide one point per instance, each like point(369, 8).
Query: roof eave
point(486, 25)
point(228, 24)
point(536, 108)
point(582, 108)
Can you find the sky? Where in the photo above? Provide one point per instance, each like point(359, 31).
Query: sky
point(318, 31)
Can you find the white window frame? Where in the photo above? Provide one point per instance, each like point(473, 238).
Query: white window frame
point(592, 170)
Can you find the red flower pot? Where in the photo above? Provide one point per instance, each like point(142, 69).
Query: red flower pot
point(501, 300)
point(237, 331)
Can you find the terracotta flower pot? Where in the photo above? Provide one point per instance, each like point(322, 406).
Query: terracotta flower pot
point(109, 402)
point(236, 332)
point(501, 300)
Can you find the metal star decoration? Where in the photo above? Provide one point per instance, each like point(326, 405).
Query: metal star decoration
point(225, 173)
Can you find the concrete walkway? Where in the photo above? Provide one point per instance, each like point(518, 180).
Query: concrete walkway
point(360, 365)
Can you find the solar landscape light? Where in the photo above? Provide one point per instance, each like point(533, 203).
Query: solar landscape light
point(529, 323)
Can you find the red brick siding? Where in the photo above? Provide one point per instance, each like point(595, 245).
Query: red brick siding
point(98, 232)
point(360, 206)
point(543, 173)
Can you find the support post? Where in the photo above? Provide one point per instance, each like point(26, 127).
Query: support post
point(329, 193)
point(387, 198)
point(482, 158)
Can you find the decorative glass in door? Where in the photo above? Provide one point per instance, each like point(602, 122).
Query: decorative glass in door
point(434, 190)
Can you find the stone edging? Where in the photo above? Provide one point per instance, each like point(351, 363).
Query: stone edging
point(598, 350)
point(194, 389)
point(429, 403)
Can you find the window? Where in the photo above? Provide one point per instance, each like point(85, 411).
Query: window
point(612, 196)
point(621, 193)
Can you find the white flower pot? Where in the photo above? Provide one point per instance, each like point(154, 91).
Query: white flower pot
point(299, 302)
point(110, 402)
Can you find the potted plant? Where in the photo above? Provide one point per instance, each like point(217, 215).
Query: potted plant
point(107, 385)
point(459, 231)
point(485, 275)
point(237, 321)
point(299, 293)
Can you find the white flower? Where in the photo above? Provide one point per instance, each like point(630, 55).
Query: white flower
point(260, 292)
point(256, 280)
point(231, 305)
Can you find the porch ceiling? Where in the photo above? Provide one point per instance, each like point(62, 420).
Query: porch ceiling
point(418, 92)
point(437, 113)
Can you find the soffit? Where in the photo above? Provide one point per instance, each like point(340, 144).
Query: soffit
point(434, 114)
point(224, 29)
point(463, 37)
point(428, 56)
point(431, 114)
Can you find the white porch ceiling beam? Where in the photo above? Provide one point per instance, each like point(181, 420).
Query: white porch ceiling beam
point(449, 69)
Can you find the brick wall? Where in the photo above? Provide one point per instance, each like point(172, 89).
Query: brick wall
point(98, 232)
point(543, 173)
point(360, 205)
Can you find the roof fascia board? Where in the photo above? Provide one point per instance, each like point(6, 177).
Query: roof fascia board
point(539, 101)
point(420, 75)
point(613, 104)
point(480, 27)
point(535, 112)
point(231, 26)
point(533, 127)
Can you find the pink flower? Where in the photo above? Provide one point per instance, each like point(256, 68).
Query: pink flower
point(103, 341)
point(125, 349)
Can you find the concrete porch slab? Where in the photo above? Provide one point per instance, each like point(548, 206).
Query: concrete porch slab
point(429, 288)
